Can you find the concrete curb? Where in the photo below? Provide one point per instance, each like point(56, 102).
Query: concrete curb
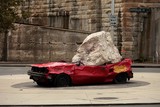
point(112, 104)
point(146, 65)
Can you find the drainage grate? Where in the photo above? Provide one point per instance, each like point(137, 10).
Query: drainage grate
point(105, 98)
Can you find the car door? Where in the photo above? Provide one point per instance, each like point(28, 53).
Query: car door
point(99, 74)
point(89, 74)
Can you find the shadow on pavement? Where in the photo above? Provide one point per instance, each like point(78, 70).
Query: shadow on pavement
point(133, 83)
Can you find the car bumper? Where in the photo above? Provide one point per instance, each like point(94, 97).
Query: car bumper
point(37, 74)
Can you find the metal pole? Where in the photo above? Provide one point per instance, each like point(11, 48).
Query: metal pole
point(112, 13)
point(112, 7)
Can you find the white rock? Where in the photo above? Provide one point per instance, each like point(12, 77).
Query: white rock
point(97, 49)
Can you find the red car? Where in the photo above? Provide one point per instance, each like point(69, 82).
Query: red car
point(66, 74)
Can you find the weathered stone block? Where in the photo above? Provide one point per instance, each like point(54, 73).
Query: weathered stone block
point(97, 49)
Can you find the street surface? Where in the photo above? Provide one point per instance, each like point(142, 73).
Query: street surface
point(17, 89)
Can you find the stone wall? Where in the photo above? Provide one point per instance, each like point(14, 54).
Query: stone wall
point(72, 14)
point(29, 43)
point(90, 16)
point(135, 27)
point(1, 44)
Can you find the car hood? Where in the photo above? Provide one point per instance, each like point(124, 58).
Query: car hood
point(52, 64)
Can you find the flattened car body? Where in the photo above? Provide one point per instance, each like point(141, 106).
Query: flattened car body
point(66, 74)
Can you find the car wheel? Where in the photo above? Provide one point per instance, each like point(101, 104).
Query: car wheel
point(120, 78)
point(44, 84)
point(40, 83)
point(62, 80)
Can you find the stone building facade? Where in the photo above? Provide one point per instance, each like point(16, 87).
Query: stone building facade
point(136, 35)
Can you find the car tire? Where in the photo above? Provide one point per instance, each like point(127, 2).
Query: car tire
point(62, 80)
point(44, 84)
point(40, 83)
point(120, 78)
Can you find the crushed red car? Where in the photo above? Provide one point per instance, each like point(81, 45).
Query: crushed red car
point(62, 74)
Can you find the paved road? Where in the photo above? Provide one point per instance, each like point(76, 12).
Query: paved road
point(17, 89)
point(13, 70)
point(23, 70)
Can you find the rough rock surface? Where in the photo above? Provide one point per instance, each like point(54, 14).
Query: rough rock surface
point(97, 49)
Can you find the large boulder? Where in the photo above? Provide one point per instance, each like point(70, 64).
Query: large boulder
point(97, 49)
